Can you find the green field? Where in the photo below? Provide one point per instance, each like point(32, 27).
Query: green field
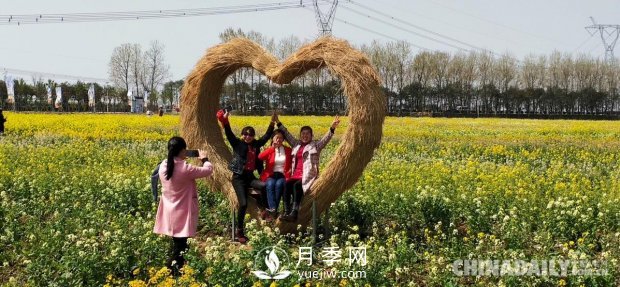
point(76, 206)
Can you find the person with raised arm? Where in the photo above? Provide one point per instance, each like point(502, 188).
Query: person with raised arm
point(304, 167)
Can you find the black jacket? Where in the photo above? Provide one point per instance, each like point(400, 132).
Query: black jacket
point(240, 149)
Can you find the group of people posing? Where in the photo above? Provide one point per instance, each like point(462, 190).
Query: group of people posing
point(288, 173)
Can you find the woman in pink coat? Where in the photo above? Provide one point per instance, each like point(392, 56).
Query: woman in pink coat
point(177, 214)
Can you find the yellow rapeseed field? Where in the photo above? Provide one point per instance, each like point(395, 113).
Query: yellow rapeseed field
point(76, 207)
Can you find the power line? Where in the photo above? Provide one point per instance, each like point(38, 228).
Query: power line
point(418, 27)
point(582, 44)
point(381, 34)
point(24, 19)
point(385, 4)
point(373, 31)
point(403, 29)
point(494, 23)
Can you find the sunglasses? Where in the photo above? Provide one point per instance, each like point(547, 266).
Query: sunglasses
point(247, 134)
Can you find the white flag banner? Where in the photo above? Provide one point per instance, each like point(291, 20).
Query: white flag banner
point(8, 80)
point(58, 103)
point(146, 96)
point(130, 97)
point(91, 95)
point(49, 94)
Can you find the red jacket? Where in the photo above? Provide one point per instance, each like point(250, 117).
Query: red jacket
point(269, 157)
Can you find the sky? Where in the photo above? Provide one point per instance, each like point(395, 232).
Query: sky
point(83, 50)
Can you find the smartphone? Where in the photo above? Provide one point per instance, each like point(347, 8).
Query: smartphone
point(192, 153)
point(228, 108)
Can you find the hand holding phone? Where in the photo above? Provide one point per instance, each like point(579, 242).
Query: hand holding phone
point(192, 153)
point(202, 155)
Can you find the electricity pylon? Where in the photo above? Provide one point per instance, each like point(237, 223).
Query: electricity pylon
point(610, 31)
point(325, 20)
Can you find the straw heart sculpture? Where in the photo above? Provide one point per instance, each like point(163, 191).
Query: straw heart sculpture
point(360, 83)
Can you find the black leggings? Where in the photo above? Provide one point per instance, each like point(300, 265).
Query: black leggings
point(179, 244)
point(294, 188)
point(241, 183)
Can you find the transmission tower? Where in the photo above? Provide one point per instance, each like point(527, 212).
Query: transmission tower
point(325, 20)
point(610, 31)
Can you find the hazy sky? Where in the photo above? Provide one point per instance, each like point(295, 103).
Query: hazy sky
point(84, 49)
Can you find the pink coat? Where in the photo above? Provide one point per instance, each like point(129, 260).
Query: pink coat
point(177, 214)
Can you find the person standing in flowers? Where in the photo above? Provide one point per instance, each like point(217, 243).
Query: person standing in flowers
point(278, 162)
point(243, 164)
point(177, 214)
point(304, 167)
point(2, 121)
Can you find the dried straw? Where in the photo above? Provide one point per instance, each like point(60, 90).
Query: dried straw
point(360, 83)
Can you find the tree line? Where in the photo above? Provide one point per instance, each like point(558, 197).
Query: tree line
point(429, 82)
point(424, 82)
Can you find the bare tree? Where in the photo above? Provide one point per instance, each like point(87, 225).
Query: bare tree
point(285, 48)
point(541, 72)
point(439, 68)
point(531, 78)
point(421, 73)
point(238, 97)
point(135, 67)
point(421, 68)
point(230, 34)
point(567, 72)
point(155, 71)
point(584, 72)
point(469, 77)
point(527, 73)
point(456, 65)
point(611, 84)
point(484, 68)
point(120, 66)
point(455, 78)
point(439, 71)
point(401, 59)
point(506, 70)
point(554, 74)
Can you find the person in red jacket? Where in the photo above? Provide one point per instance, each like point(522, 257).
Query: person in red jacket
point(277, 170)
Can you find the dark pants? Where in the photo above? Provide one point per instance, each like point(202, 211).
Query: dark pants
point(176, 261)
point(275, 188)
point(241, 183)
point(293, 189)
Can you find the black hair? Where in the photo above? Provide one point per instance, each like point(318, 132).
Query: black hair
point(248, 129)
point(306, 128)
point(277, 132)
point(175, 146)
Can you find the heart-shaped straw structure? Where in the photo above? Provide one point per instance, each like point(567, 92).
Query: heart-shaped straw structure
point(361, 86)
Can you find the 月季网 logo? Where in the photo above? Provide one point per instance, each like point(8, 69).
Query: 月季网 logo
point(274, 260)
